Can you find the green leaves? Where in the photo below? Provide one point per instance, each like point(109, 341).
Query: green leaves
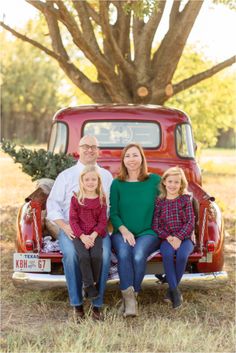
point(31, 90)
point(38, 164)
point(141, 8)
point(210, 104)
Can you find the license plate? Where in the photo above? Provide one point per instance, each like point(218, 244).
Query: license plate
point(30, 262)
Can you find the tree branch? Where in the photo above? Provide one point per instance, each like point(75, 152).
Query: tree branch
point(150, 28)
point(54, 31)
point(174, 11)
point(120, 30)
point(174, 42)
point(183, 85)
point(125, 66)
point(87, 28)
point(92, 13)
point(94, 90)
point(143, 51)
point(163, 94)
point(138, 25)
point(109, 80)
point(69, 22)
point(31, 41)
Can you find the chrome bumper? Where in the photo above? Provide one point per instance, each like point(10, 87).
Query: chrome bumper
point(47, 281)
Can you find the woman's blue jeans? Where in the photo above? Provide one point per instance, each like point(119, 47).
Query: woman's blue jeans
point(72, 270)
point(132, 260)
point(174, 270)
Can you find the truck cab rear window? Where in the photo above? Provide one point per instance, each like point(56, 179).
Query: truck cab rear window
point(184, 141)
point(58, 138)
point(117, 134)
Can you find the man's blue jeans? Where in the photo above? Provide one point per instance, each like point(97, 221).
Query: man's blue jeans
point(132, 260)
point(72, 270)
point(175, 269)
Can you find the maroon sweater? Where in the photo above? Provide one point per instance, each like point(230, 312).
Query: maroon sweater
point(87, 218)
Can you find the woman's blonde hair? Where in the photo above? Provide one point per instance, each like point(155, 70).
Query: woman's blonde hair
point(173, 171)
point(123, 174)
point(99, 190)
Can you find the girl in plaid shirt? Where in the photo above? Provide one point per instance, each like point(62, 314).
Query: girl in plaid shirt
point(173, 221)
point(88, 221)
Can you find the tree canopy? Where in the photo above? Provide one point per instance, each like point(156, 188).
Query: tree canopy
point(30, 89)
point(210, 104)
point(118, 40)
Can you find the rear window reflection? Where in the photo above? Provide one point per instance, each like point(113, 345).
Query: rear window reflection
point(120, 133)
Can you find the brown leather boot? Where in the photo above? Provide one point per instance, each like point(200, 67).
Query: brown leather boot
point(176, 298)
point(97, 314)
point(78, 313)
point(167, 298)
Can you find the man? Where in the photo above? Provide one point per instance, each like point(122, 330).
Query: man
point(58, 206)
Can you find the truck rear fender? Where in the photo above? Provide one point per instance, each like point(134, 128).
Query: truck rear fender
point(29, 227)
point(210, 220)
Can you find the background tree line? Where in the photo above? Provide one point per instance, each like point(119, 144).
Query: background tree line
point(33, 86)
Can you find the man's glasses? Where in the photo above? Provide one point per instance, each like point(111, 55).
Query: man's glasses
point(87, 147)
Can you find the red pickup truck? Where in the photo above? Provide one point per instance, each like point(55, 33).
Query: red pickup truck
point(167, 138)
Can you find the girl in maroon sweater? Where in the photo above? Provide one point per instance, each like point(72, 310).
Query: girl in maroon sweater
point(88, 220)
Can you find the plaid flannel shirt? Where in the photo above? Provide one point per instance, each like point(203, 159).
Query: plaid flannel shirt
point(174, 217)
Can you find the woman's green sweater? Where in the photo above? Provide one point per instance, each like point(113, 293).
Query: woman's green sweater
point(132, 204)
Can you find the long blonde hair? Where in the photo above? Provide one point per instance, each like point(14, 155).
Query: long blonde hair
point(174, 171)
point(123, 174)
point(99, 190)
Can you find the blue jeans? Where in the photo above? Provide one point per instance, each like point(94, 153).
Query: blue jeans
point(132, 260)
point(72, 269)
point(174, 270)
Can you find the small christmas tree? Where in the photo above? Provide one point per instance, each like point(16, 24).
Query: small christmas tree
point(38, 164)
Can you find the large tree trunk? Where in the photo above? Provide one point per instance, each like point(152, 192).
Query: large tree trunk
point(130, 69)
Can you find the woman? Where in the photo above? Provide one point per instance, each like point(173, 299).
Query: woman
point(132, 200)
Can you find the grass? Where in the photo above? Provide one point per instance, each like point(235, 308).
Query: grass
point(219, 152)
point(34, 321)
point(212, 168)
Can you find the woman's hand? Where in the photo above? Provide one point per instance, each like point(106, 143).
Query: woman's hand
point(127, 236)
point(87, 241)
point(174, 242)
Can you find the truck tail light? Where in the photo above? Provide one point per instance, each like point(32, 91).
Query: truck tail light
point(210, 246)
point(29, 245)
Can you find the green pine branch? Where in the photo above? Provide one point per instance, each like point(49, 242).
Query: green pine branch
point(38, 164)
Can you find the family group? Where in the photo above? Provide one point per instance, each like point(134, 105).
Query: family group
point(147, 212)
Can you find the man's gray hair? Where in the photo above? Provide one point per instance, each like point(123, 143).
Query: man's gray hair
point(88, 136)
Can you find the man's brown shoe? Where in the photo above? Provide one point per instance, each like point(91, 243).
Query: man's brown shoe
point(97, 314)
point(78, 313)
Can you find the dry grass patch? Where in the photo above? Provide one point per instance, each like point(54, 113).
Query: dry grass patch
point(157, 329)
point(14, 184)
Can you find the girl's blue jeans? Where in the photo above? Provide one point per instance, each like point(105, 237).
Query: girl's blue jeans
point(132, 260)
point(174, 270)
point(72, 270)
